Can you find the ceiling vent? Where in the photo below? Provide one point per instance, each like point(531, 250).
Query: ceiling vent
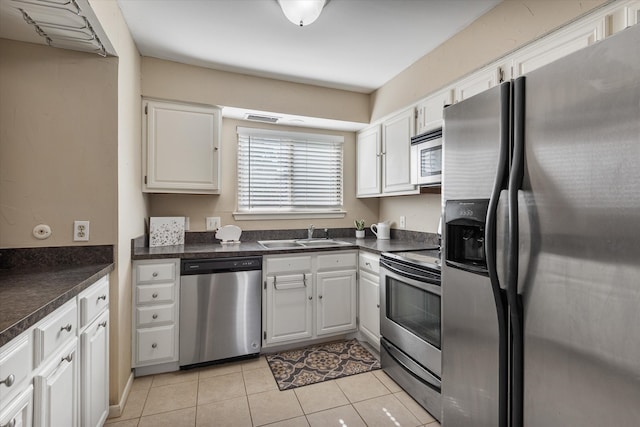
point(261, 118)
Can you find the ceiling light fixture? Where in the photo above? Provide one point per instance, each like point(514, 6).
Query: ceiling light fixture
point(302, 12)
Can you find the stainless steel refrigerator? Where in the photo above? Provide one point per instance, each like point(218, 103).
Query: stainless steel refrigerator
point(541, 246)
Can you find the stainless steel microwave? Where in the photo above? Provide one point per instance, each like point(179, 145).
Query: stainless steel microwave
point(426, 158)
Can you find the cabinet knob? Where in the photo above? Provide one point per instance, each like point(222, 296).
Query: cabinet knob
point(154, 345)
point(154, 274)
point(102, 297)
point(155, 316)
point(320, 296)
point(155, 295)
point(310, 298)
point(9, 380)
point(11, 423)
point(66, 328)
point(377, 305)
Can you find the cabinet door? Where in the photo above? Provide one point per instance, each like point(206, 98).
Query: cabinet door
point(369, 303)
point(94, 377)
point(560, 44)
point(56, 391)
point(336, 302)
point(396, 153)
point(430, 111)
point(18, 412)
point(182, 148)
point(478, 82)
point(289, 307)
point(368, 167)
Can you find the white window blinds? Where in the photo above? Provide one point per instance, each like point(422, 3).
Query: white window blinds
point(288, 171)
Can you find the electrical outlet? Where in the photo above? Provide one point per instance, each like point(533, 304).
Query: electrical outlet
point(213, 223)
point(403, 221)
point(81, 231)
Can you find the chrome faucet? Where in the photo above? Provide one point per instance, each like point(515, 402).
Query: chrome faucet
point(310, 232)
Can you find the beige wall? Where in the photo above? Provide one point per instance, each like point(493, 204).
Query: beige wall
point(197, 207)
point(508, 26)
point(170, 80)
point(58, 144)
point(132, 204)
point(180, 82)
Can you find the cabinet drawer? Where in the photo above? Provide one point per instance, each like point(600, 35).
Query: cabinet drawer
point(289, 263)
point(160, 293)
point(155, 344)
point(337, 260)
point(15, 367)
point(93, 300)
point(156, 272)
point(57, 328)
point(369, 262)
point(155, 315)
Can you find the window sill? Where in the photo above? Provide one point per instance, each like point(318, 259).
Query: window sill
point(249, 216)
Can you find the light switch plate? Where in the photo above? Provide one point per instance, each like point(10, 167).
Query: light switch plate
point(213, 223)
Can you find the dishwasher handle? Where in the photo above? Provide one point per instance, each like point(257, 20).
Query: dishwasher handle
point(219, 265)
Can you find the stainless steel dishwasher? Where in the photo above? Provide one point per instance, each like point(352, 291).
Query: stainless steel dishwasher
point(220, 309)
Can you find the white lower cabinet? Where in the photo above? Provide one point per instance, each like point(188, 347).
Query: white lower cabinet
point(155, 314)
point(94, 379)
point(50, 379)
point(56, 389)
point(336, 302)
point(308, 296)
point(369, 298)
point(289, 299)
point(18, 412)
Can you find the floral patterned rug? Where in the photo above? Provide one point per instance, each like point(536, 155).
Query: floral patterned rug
point(310, 365)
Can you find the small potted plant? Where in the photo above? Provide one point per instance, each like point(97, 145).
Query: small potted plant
point(359, 223)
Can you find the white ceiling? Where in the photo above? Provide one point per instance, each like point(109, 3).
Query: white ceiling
point(355, 45)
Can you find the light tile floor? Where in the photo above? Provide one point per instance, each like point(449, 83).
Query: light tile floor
point(245, 394)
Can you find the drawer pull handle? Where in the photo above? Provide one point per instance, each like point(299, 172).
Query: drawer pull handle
point(9, 380)
point(155, 295)
point(103, 297)
point(103, 324)
point(66, 328)
point(155, 316)
point(69, 358)
point(11, 423)
point(154, 345)
point(154, 274)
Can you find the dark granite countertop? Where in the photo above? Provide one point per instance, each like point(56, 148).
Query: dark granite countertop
point(252, 248)
point(32, 285)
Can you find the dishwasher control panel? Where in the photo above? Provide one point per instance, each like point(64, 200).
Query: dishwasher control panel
point(220, 265)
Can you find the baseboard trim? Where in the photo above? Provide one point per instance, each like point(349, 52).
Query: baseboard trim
point(116, 410)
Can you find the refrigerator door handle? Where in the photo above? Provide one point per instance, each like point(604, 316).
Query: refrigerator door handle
point(514, 299)
point(499, 184)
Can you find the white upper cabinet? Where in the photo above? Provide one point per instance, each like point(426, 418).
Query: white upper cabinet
point(369, 166)
point(623, 17)
point(479, 82)
point(396, 153)
point(429, 113)
point(560, 44)
point(181, 147)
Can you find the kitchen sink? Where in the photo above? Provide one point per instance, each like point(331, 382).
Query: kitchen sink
point(301, 243)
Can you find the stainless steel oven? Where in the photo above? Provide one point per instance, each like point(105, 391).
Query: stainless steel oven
point(410, 324)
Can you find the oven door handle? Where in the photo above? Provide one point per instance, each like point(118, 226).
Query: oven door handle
point(418, 371)
point(416, 280)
